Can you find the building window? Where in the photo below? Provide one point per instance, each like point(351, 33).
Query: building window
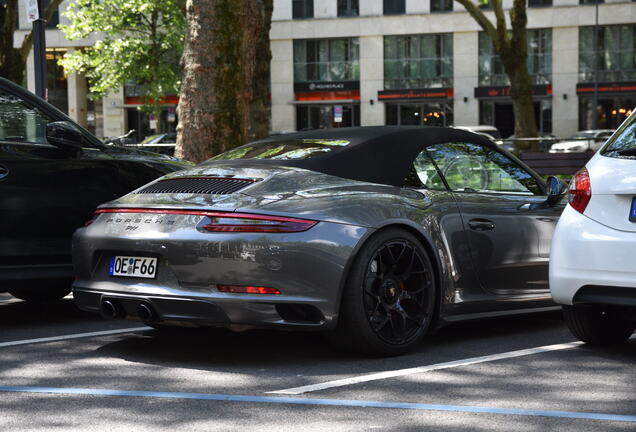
point(56, 79)
point(615, 55)
point(302, 9)
point(419, 114)
point(55, 18)
point(418, 61)
point(591, 2)
point(348, 8)
point(327, 116)
point(539, 3)
point(610, 112)
point(394, 7)
point(441, 5)
point(491, 70)
point(326, 60)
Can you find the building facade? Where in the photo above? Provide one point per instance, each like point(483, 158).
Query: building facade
point(409, 62)
point(427, 62)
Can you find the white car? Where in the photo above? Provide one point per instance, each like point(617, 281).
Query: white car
point(593, 255)
point(490, 132)
point(582, 141)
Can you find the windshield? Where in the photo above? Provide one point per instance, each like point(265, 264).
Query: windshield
point(624, 143)
point(283, 150)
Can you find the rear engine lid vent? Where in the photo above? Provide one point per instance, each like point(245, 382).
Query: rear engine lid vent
point(198, 185)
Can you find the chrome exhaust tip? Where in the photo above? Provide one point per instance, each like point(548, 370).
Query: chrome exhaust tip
point(145, 312)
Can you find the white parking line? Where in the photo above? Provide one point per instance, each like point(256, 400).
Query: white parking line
point(72, 336)
point(410, 371)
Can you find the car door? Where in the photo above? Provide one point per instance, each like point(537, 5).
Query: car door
point(46, 192)
point(502, 205)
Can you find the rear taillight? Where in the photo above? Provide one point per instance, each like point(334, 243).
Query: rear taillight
point(580, 191)
point(236, 222)
point(231, 222)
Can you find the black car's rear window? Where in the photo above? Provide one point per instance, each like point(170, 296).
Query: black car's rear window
point(623, 145)
point(283, 150)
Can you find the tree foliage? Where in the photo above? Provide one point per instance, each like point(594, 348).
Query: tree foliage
point(512, 47)
point(139, 41)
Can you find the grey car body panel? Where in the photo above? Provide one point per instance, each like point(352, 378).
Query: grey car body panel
point(311, 267)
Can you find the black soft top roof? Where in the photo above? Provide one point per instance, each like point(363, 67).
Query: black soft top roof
point(376, 154)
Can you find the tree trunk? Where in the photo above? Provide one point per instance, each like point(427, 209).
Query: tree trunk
point(11, 63)
point(224, 99)
point(13, 60)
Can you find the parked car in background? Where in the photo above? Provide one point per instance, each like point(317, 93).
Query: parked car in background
point(592, 265)
point(582, 141)
point(163, 143)
point(53, 174)
point(375, 235)
point(487, 131)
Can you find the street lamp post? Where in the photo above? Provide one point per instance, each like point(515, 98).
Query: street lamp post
point(34, 15)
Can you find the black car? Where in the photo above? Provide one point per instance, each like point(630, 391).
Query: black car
point(53, 174)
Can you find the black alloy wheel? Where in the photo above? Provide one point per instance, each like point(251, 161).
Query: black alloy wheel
point(389, 300)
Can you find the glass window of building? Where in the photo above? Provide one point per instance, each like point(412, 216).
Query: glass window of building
point(615, 55)
point(419, 113)
point(302, 9)
point(326, 60)
point(491, 70)
point(441, 5)
point(55, 19)
point(591, 2)
point(418, 61)
point(539, 3)
point(327, 116)
point(56, 79)
point(394, 7)
point(348, 8)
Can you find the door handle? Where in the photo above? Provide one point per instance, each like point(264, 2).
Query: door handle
point(481, 224)
point(3, 172)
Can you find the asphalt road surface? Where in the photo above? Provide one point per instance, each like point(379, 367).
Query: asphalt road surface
point(62, 369)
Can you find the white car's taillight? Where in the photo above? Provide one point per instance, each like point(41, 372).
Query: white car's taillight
point(580, 191)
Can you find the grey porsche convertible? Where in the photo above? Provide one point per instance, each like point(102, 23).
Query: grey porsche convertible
point(375, 235)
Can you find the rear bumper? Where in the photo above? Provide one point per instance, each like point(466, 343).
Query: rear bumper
point(587, 254)
point(307, 267)
point(202, 311)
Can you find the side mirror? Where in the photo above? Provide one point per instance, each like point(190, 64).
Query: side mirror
point(65, 135)
point(555, 189)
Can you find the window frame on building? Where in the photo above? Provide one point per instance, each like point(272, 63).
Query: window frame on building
point(608, 57)
point(302, 9)
point(539, 62)
point(348, 8)
point(442, 60)
point(439, 6)
point(539, 3)
point(324, 70)
point(393, 7)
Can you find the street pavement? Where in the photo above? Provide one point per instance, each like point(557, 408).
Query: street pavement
point(62, 369)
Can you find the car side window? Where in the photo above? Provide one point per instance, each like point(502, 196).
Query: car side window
point(425, 173)
point(469, 167)
point(19, 122)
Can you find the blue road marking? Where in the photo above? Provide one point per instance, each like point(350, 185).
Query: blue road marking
point(322, 402)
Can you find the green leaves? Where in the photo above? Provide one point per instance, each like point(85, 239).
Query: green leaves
point(137, 41)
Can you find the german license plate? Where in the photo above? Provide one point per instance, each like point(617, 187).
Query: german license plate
point(142, 267)
point(632, 211)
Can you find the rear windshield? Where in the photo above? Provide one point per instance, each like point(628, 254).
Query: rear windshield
point(623, 145)
point(283, 150)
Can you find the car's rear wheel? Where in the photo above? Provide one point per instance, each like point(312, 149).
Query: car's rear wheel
point(389, 298)
point(41, 290)
point(597, 325)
